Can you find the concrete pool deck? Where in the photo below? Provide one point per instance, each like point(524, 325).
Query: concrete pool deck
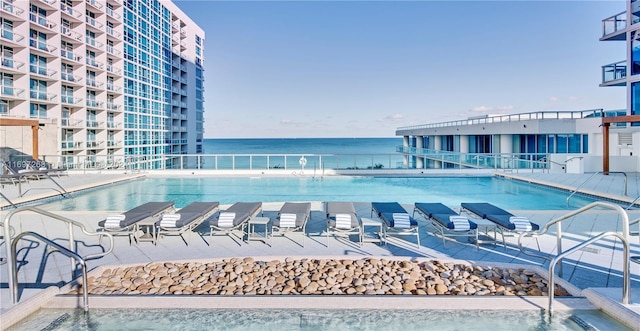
point(598, 267)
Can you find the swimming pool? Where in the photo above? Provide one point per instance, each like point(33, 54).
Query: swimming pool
point(508, 194)
point(311, 320)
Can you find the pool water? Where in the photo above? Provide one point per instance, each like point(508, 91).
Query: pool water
point(451, 191)
point(312, 320)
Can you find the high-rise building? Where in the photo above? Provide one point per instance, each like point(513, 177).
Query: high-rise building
point(109, 81)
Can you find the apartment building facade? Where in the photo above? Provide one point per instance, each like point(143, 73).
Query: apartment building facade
point(109, 81)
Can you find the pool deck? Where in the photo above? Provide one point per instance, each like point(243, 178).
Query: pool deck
point(597, 267)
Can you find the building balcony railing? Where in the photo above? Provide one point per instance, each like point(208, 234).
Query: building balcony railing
point(66, 31)
point(42, 21)
point(112, 32)
point(12, 9)
point(95, 4)
point(94, 83)
point(70, 11)
point(614, 71)
point(9, 63)
point(114, 88)
point(67, 122)
point(112, 143)
point(42, 71)
point(67, 54)
point(94, 23)
point(10, 91)
point(112, 69)
point(113, 106)
point(49, 2)
point(42, 96)
point(69, 77)
point(112, 50)
point(94, 144)
point(94, 43)
point(10, 35)
point(69, 99)
point(94, 103)
point(113, 14)
point(614, 24)
point(71, 145)
point(94, 63)
point(114, 125)
point(94, 124)
point(41, 45)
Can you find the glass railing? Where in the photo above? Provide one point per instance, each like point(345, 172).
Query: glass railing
point(113, 32)
point(41, 45)
point(479, 160)
point(11, 91)
point(69, 99)
point(93, 124)
point(67, 54)
point(614, 23)
point(614, 71)
point(10, 63)
point(94, 83)
point(42, 21)
point(67, 9)
point(94, 4)
point(113, 14)
point(10, 35)
point(11, 8)
point(69, 77)
point(43, 96)
point(42, 71)
point(92, 42)
point(71, 144)
point(94, 63)
point(94, 103)
point(66, 31)
point(70, 122)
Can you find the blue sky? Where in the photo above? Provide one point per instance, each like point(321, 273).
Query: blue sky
point(363, 68)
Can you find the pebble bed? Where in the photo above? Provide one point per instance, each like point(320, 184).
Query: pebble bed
point(369, 276)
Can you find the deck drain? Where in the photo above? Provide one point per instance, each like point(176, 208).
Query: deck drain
point(590, 250)
point(57, 322)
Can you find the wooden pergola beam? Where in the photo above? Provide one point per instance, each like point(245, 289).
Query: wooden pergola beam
point(34, 124)
point(606, 123)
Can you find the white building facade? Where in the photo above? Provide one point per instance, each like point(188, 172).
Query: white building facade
point(107, 80)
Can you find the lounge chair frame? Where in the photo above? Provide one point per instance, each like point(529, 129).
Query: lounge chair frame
point(381, 209)
point(332, 209)
point(302, 210)
point(244, 211)
point(139, 213)
point(210, 208)
point(440, 228)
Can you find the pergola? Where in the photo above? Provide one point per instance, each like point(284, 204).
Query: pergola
point(34, 124)
point(606, 122)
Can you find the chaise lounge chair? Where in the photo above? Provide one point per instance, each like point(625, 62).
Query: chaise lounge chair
point(342, 220)
point(26, 173)
point(396, 219)
point(292, 217)
point(235, 218)
point(505, 221)
point(127, 222)
point(186, 219)
point(447, 222)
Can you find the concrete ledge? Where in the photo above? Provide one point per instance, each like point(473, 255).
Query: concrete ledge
point(609, 300)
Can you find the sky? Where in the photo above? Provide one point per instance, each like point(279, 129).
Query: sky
point(315, 69)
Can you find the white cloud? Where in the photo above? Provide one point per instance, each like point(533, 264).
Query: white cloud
point(553, 98)
point(395, 117)
point(485, 109)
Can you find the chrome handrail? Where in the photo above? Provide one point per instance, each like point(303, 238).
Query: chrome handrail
point(626, 282)
point(594, 174)
point(72, 243)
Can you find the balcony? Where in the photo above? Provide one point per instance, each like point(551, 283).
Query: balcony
point(95, 4)
point(113, 143)
point(42, 71)
point(67, 145)
point(113, 125)
point(112, 32)
point(113, 51)
point(94, 144)
point(42, 96)
point(67, 54)
point(67, 122)
point(94, 63)
point(94, 83)
point(93, 124)
point(12, 9)
point(42, 46)
point(112, 14)
point(614, 74)
point(114, 88)
point(49, 3)
point(69, 11)
point(67, 32)
point(94, 43)
point(10, 64)
point(42, 21)
point(11, 36)
point(113, 106)
point(94, 103)
point(92, 22)
point(613, 27)
point(70, 77)
point(69, 99)
point(10, 92)
point(114, 70)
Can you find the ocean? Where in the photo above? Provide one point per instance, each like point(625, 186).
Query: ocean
point(302, 146)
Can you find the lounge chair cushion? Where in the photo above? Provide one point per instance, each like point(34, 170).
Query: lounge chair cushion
point(343, 221)
point(169, 220)
point(401, 221)
point(288, 220)
point(225, 220)
point(460, 223)
point(522, 224)
point(113, 221)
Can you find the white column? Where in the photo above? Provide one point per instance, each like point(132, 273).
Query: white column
point(506, 146)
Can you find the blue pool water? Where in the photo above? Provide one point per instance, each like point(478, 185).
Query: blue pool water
point(451, 191)
point(312, 320)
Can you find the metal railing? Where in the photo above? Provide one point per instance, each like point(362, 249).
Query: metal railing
point(71, 251)
point(590, 177)
point(557, 260)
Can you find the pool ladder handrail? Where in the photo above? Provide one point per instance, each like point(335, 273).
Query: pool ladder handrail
point(624, 238)
point(594, 174)
point(70, 252)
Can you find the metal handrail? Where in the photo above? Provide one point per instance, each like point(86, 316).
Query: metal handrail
point(594, 174)
point(626, 282)
point(74, 256)
point(72, 243)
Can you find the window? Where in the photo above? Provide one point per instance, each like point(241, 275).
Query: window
point(7, 29)
point(38, 110)
point(6, 84)
point(38, 64)
point(38, 89)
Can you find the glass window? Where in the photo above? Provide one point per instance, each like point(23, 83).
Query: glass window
point(575, 140)
point(635, 53)
point(585, 143)
point(562, 143)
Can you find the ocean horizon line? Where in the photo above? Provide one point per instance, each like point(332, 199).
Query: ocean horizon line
point(393, 137)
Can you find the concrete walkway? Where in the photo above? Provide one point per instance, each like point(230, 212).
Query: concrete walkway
point(597, 266)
